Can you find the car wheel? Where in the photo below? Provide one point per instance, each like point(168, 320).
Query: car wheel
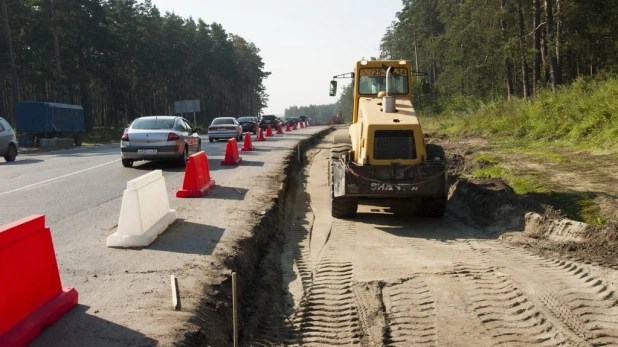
point(11, 153)
point(127, 162)
point(211, 139)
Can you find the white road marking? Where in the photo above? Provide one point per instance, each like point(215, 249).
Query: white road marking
point(57, 178)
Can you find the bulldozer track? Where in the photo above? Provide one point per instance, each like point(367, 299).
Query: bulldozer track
point(410, 314)
point(327, 314)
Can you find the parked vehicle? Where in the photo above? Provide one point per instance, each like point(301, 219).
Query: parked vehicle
point(249, 124)
point(49, 120)
point(159, 138)
point(267, 120)
point(292, 121)
point(224, 128)
point(8, 141)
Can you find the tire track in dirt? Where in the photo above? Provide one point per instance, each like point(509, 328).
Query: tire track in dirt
point(327, 314)
point(507, 313)
point(576, 295)
point(410, 314)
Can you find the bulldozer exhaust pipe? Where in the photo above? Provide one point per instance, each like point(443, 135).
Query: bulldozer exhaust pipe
point(388, 101)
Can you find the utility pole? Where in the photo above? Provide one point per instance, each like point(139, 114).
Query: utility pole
point(15, 87)
point(59, 96)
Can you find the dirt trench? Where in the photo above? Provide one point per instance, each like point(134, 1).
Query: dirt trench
point(472, 278)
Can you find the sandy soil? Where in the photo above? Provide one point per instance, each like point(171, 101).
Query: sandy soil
point(386, 280)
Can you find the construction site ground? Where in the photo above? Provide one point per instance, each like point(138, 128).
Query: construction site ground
point(488, 273)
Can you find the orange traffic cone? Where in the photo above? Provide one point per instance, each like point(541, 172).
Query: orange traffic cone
point(231, 153)
point(197, 180)
point(287, 127)
point(279, 129)
point(302, 124)
point(269, 131)
point(260, 136)
point(247, 145)
point(295, 127)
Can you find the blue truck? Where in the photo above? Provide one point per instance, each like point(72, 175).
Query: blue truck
point(49, 120)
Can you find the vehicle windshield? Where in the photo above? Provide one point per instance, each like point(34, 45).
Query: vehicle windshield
point(268, 117)
point(245, 119)
point(222, 121)
point(373, 81)
point(153, 123)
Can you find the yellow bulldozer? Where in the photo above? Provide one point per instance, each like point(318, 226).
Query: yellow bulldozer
point(383, 156)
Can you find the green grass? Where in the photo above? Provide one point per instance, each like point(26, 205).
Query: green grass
point(579, 206)
point(583, 115)
point(487, 158)
point(576, 206)
point(491, 172)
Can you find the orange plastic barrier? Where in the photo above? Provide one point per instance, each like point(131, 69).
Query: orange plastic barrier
point(279, 129)
point(269, 131)
point(287, 127)
point(260, 136)
point(295, 127)
point(31, 295)
point(247, 146)
point(197, 180)
point(231, 153)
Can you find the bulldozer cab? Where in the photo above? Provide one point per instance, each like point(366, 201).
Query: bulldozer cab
point(370, 79)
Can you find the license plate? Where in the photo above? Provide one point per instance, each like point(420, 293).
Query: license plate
point(147, 151)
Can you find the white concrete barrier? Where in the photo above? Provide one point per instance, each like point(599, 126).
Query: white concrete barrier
point(145, 212)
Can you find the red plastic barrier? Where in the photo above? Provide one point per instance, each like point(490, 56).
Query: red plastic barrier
point(247, 146)
point(279, 129)
point(287, 127)
point(197, 180)
point(295, 127)
point(260, 136)
point(31, 295)
point(231, 153)
point(269, 131)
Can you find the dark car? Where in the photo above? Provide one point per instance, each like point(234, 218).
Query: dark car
point(248, 124)
point(292, 121)
point(267, 120)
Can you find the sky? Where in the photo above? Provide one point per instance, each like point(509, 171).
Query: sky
point(302, 43)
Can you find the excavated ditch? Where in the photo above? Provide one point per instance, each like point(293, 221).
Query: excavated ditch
point(255, 262)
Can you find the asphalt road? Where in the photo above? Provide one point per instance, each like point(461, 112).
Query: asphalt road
point(125, 294)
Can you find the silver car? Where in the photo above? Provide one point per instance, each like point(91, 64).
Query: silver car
point(157, 138)
point(224, 128)
point(8, 141)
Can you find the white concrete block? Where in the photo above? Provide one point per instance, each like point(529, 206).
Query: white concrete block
point(145, 212)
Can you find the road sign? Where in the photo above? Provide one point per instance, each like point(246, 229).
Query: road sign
point(186, 106)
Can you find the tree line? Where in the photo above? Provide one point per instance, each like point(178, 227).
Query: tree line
point(122, 59)
point(501, 48)
point(318, 113)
